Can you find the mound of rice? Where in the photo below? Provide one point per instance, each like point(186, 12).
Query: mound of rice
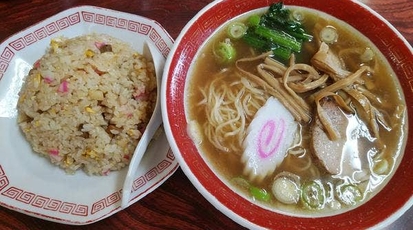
point(86, 102)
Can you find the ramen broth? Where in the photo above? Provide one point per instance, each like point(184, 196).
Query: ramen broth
point(228, 164)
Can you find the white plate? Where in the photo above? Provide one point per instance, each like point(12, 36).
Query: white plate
point(31, 184)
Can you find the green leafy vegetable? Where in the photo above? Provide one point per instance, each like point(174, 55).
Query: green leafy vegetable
point(279, 17)
point(279, 37)
point(262, 45)
point(276, 30)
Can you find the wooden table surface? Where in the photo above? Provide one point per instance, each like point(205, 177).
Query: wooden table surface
point(176, 204)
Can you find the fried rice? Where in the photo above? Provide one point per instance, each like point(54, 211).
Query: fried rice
point(86, 102)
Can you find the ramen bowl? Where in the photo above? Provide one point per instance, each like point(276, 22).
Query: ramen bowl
point(387, 203)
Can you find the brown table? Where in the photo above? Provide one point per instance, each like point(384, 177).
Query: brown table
point(176, 204)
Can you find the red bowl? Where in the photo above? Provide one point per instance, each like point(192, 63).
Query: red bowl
point(385, 207)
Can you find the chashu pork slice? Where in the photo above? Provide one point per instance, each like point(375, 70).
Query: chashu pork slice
point(348, 155)
point(327, 151)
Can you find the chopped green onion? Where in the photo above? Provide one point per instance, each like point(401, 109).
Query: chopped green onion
point(329, 35)
point(236, 30)
point(254, 20)
point(279, 37)
point(313, 194)
point(349, 194)
point(286, 190)
point(260, 194)
point(367, 55)
point(225, 52)
point(297, 15)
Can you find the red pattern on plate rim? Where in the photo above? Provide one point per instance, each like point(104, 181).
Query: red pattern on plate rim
point(39, 201)
point(389, 42)
point(50, 204)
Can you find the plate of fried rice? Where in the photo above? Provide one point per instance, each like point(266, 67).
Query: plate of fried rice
point(76, 93)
